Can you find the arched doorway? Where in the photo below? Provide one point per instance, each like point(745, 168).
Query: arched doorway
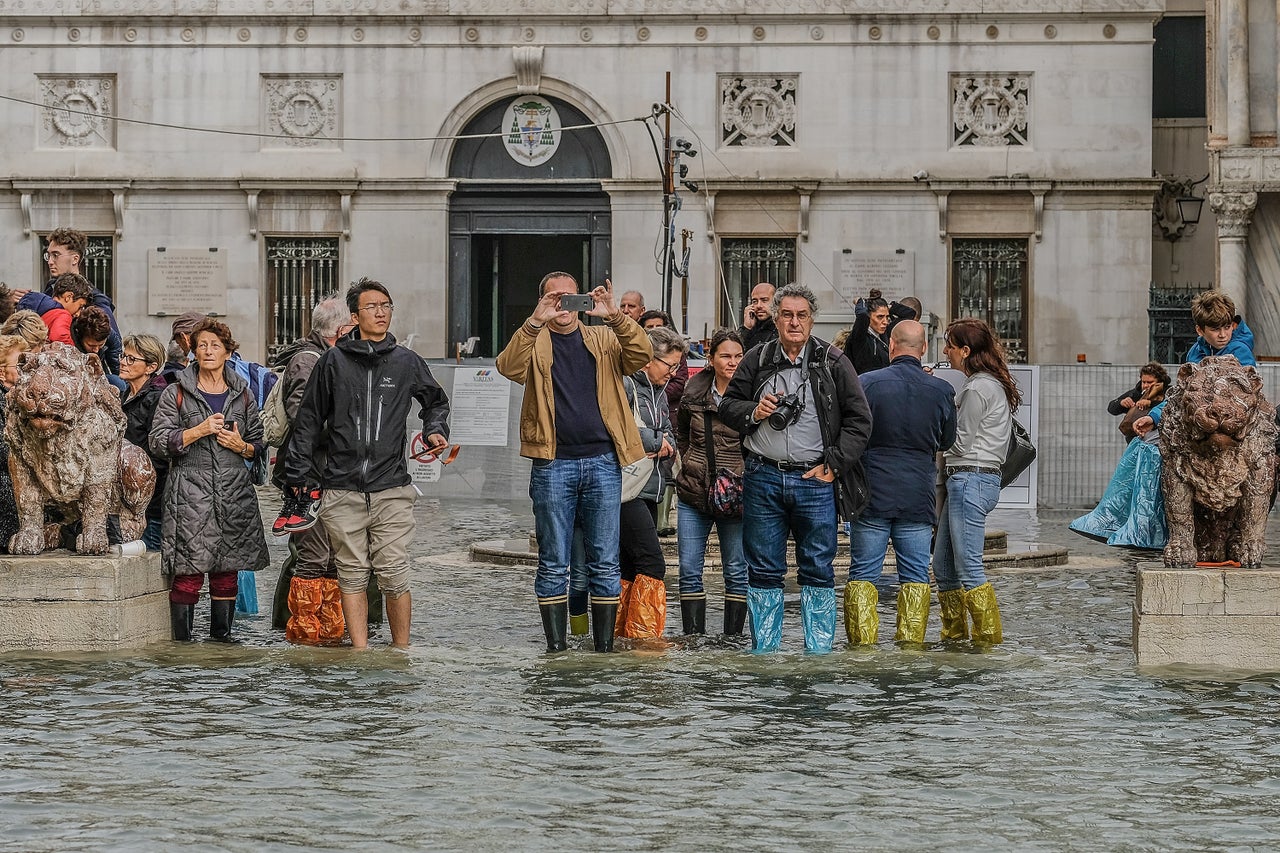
point(516, 217)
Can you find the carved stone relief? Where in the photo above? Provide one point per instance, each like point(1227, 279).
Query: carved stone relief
point(302, 112)
point(78, 111)
point(990, 110)
point(758, 111)
point(1234, 212)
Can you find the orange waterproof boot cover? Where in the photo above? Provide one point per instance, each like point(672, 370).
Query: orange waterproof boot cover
point(624, 605)
point(305, 599)
point(647, 610)
point(333, 625)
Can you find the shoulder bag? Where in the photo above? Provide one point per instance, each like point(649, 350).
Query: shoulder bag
point(724, 493)
point(636, 475)
point(1019, 455)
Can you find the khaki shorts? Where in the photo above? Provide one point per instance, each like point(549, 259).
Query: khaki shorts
point(370, 534)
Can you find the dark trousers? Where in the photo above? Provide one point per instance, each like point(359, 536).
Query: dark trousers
point(639, 551)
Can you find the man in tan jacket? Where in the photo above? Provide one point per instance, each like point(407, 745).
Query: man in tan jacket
point(576, 426)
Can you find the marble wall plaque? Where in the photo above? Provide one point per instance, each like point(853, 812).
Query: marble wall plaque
point(180, 280)
point(856, 272)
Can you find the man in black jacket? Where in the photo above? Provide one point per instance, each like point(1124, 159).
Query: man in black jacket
point(66, 253)
point(805, 422)
point(757, 317)
point(913, 417)
point(359, 397)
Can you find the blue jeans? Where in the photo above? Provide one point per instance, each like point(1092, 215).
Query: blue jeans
point(694, 528)
point(869, 540)
point(151, 535)
point(777, 504)
point(957, 554)
point(582, 492)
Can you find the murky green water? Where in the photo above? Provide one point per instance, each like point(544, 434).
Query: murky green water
point(475, 739)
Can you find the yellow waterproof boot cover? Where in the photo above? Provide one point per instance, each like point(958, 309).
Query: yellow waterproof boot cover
point(981, 603)
point(951, 605)
point(305, 600)
point(624, 605)
point(579, 624)
point(913, 612)
point(647, 611)
point(333, 624)
point(861, 622)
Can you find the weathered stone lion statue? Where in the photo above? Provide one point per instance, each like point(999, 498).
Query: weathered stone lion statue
point(65, 430)
point(1217, 438)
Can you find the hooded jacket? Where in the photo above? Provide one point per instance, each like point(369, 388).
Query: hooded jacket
point(211, 517)
point(359, 399)
point(652, 405)
point(843, 414)
point(1240, 346)
point(114, 347)
point(303, 356)
point(695, 476)
point(139, 412)
point(57, 319)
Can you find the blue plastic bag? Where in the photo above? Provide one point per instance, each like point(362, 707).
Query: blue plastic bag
point(764, 607)
point(818, 616)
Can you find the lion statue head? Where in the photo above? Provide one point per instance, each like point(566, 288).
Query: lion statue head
point(57, 385)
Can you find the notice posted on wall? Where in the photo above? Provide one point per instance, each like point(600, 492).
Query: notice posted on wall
point(893, 273)
point(181, 280)
point(423, 473)
point(479, 407)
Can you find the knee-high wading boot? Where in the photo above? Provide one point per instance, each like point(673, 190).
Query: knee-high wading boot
point(951, 609)
point(693, 613)
point(646, 617)
point(280, 598)
point(222, 613)
point(373, 594)
point(735, 614)
point(985, 613)
point(624, 605)
point(555, 617)
point(305, 600)
point(764, 606)
point(181, 619)
point(333, 622)
point(913, 613)
point(861, 621)
point(604, 615)
point(818, 618)
point(579, 621)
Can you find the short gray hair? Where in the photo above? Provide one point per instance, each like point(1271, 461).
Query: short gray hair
point(329, 313)
point(666, 340)
point(794, 291)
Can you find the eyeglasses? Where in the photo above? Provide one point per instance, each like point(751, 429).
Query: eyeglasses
point(53, 256)
point(671, 368)
point(133, 359)
point(378, 310)
point(787, 316)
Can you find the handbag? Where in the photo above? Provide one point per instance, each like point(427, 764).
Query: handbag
point(636, 475)
point(724, 493)
point(1019, 455)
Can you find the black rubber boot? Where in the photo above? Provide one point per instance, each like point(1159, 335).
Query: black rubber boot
point(280, 600)
point(373, 594)
point(603, 617)
point(181, 618)
point(735, 616)
point(222, 613)
point(693, 615)
point(555, 622)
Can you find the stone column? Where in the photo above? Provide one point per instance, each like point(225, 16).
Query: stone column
point(1216, 60)
point(1238, 131)
point(1235, 212)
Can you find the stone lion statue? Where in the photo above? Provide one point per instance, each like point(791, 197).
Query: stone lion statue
point(67, 451)
point(1217, 438)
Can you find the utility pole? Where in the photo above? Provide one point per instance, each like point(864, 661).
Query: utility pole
point(668, 198)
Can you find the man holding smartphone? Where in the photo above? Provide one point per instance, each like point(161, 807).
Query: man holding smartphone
point(577, 427)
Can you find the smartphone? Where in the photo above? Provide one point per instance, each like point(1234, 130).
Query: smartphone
point(576, 302)
point(228, 425)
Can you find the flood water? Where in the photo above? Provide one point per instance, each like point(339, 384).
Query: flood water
point(476, 739)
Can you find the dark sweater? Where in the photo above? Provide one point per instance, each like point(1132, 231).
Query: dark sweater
point(580, 429)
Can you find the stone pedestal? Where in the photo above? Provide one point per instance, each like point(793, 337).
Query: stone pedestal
point(1227, 618)
point(63, 602)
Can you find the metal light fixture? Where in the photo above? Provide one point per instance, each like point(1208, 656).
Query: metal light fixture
point(1176, 207)
point(1189, 207)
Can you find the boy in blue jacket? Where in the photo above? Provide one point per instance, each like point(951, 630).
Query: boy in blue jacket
point(1222, 331)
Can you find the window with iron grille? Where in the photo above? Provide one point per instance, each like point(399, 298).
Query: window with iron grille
point(300, 272)
point(748, 262)
point(1171, 331)
point(99, 263)
point(989, 281)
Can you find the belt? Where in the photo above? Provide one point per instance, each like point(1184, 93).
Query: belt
point(970, 469)
point(785, 466)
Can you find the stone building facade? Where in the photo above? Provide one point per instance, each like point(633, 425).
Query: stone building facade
point(992, 157)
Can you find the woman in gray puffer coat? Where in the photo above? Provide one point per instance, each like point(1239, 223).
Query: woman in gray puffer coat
point(207, 425)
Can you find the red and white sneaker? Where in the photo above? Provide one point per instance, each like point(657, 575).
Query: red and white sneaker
point(300, 511)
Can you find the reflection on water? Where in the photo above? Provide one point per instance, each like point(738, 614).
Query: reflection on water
point(476, 739)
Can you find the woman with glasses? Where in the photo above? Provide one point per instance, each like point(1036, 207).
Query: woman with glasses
point(984, 410)
point(207, 426)
point(708, 446)
point(642, 607)
point(140, 369)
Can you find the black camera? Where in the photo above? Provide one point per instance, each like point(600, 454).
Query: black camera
point(577, 302)
point(786, 413)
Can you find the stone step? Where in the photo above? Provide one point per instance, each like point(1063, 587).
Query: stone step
point(522, 552)
point(995, 542)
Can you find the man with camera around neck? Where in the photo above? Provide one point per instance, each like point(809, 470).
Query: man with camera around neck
point(805, 422)
point(577, 427)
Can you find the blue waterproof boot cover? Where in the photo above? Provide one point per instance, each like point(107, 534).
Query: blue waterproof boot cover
point(764, 607)
point(818, 616)
point(246, 594)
